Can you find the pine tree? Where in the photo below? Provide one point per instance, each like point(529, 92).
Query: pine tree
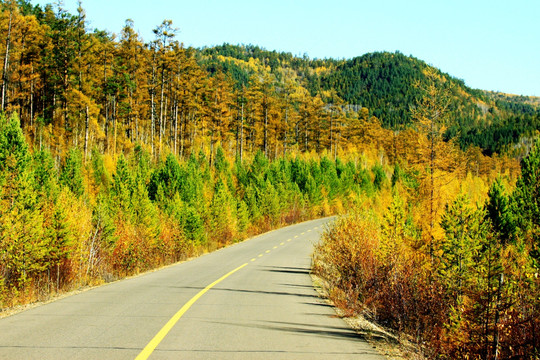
point(222, 214)
point(101, 177)
point(45, 174)
point(458, 252)
point(71, 175)
point(122, 188)
point(14, 155)
point(58, 239)
point(499, 212)
point(22, 244)
point(526, 200)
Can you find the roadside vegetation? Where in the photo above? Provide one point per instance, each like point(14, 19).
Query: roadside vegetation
point(62, 228)
point(444, 255)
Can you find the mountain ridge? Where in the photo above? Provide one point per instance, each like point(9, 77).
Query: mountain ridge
point(388, 85)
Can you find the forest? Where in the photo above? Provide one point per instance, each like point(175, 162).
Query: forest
point(446, 257)
point(118, 156)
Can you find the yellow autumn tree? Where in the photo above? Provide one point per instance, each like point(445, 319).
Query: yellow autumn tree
point(436, 159)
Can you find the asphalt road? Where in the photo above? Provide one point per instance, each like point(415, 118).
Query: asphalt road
point(265, 309)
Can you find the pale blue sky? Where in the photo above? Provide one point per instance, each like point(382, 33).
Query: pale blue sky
point(491, 45)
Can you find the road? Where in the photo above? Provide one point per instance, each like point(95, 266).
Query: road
point(253, 300)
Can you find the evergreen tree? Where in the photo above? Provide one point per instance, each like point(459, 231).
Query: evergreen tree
point(194, 226)
point(526, 199)
point(499, 212)
point(222, 214)
point(379, 176)
point(14, 155)
point(71, 175)
point(22, 244)
point(459, 251)
point(101, 177)
point(122, 187)
point(59, 239)
point(242, 217)
point(44, 172)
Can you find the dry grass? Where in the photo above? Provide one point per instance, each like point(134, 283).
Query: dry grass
point(389, 344)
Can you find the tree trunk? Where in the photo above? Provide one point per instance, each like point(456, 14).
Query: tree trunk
point(161, 109)
point(130, 121)
point(432, 192)
point(86, 131)
point(175, 128)
point(242, 133)
point(6, 62)
point(306, 136)
point(152, 104)
point(32, 98)
point(496, 340)
point(285, 138)
point(182, 127)
point(266, 130)
point(114, 125)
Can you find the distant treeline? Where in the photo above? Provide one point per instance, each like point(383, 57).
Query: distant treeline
point(72, 86)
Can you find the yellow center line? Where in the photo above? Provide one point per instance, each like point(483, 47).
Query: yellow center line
point(267, 251)
point(275, 247)
point(253, 259)
point(282, 244)
point(309, 230)
point(296, 236)
point(302, 233)
point(261, 255)
point(147, 351)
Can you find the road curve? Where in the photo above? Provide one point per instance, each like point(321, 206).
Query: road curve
point(265, 309)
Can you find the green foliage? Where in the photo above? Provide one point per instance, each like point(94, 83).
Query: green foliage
point(269, 202)
point(58, 235)
point(379, 176)
point(242, 217)
point(103, 215)
point(14, 155)
point(459, 251)
point(363, 178)
point(378, 81)
point(312, 190)
point(397, 174)
point(394, 221)
point(193, 226)
point(144, 211)
point(22, 241)
point(168, 177)
point(526, 199)
point(122, 187)
point(499, 212)
point(221, 163)
point(71, 175)
point(44, 172)
point(101, 176)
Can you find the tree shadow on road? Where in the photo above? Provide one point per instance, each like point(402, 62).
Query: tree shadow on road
point(246, 291)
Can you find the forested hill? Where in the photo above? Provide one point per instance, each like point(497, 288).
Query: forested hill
point(71, 85)
point(389, 85)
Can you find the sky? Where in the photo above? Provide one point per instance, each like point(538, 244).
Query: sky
point(491, 45)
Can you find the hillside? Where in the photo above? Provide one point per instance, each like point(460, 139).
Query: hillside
point(389, 85)
point(516, 99)
point(59, 72)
